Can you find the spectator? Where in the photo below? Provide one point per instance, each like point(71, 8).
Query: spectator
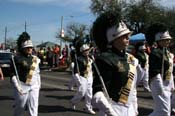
point(1, 75)
point(49, 57)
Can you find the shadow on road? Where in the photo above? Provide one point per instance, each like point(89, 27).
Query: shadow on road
point(50, 89)
point(56, 108)
point(6, 98)
point(53, 89)
point(144, 111)
point(60, 97)
point(51, 109)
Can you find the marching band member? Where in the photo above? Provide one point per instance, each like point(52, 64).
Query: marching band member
point(119, 69)
point(143, 58)
point(160, 69)
point(26, 77)
point(84, 78)
point(72, 82)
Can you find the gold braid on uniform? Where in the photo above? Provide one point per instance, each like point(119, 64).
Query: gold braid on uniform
point(88, 68)
point(169, 71)
point(32, 68)
point(124, 93)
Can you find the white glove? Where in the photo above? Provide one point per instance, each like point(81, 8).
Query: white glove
point(77, 78)
point(17, 85)
point(100, 101)
point(72, 65)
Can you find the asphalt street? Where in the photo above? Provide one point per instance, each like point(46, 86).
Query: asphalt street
point(55, 96)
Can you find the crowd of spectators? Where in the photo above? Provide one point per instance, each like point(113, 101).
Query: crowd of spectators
point(53, 56)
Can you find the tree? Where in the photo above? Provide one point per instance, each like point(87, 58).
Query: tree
point(137, 14)
point(100, 6)
point(143, 13)
point(170, 20)
point(74, 30)
point(11, 43)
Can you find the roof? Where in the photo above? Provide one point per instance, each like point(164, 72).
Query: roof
point(46, 44)
point(5, 51)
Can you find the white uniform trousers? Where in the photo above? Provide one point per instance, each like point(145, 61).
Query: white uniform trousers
point(29, 99)
point(72, 82)
point(162, 100)
point(143, 77)
point(111, 108)
point(173, 101)
point(84, 90)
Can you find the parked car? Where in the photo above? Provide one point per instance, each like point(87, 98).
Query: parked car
point(5, 61)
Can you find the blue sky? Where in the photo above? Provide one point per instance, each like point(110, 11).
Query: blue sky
point(43, 17)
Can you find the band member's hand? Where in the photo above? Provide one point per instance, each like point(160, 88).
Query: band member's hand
point(77, 78)
point(20, 91)
point(17, 85)
point(1, 75)
point(101, 102)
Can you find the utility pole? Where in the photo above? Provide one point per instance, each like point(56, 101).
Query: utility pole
point(5, 38)
point(61, 32)
point(25, 26)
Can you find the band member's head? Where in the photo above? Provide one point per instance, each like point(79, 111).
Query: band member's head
point(24, 43)
point(77, 43)
point(84, 49)
point(140, 46)
point(163, 39)
point(158, 33)
point(110, 30)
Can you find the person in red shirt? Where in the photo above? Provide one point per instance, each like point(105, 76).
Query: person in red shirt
point(56, 55)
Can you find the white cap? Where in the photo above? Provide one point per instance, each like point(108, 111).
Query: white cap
point(162, 35)
point(84, 47)
point(116, 32)
point(27, 43)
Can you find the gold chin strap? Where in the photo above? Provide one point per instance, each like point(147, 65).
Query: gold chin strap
point(32, 68)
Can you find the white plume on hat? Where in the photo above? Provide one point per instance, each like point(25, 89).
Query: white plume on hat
point(27, 43)
point(84, 47)
point(162, 35)
point(116, 32)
